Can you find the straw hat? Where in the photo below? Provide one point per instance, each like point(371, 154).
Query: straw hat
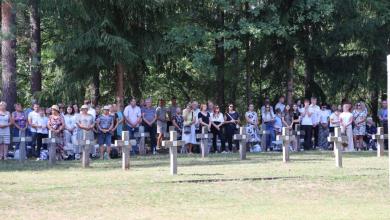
point(55, 107)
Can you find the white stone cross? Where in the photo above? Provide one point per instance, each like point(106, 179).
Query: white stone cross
point(52, 144)
point(243, 138)
point(173, 143)
point(338, 139)
point(22, 139)
point(286, 139)
point(380, 137)
point(125, 143)
point(141, 134)
point(86, 144)
point(204, 141)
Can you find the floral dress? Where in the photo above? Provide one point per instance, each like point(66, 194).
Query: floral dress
point(179, 121)
point(359, 129)
point(251, 127)
point(55, 122)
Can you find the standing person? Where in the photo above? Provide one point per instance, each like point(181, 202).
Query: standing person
point(76, 110)
point(359, 121)
point(196, 110)
point(346, 121)
point(161, 114)
point(278, 122)
point(334, 120)
point(172, 111)
point(33, 119)
point(149, 120)
point(91, 110)
point(42, 130)
point(252, 125)
point(188, 135)
point(307, 124)
point(105, 123)
point(315, 119)
point(56, 125)
point(382, 115)
point(296, 116)
point(70, 138)
point(177, 122)
point(118, 122)
point(20, 122)
point(133, 118)
point(280, 105)
point(323, 131)
point(268, 119)
point(5, 133)
point(288, 122)
point(85, 123)
point(266, 103)
point(204, 117)
point(370, 130)
point(217, 122)
point(232, 121)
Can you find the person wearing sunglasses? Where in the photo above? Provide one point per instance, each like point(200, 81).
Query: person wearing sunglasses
point(232, 121)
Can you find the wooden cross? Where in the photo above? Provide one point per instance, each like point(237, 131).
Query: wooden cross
point(141, 134)
point(86, 144)
point(286, 139)
point(173, 143)
point(52, 144)
point(380, 137)
point(204, 140)
point(338, 139)
point(125, 143)
point(242, 137)
point(22, 139)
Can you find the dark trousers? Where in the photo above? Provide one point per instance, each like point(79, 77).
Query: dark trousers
point(35, 149)
point(220, 136)
point(315, 134)
point(152, 131)
point(307, 144)
point(132, 131)
point(385, 130)
point(229, 133)
point(40, 145)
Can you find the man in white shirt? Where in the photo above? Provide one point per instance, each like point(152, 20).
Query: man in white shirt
point(133, 118)
point(307, 124)
point(280, 105)
point(316, 116)
point(33, 121)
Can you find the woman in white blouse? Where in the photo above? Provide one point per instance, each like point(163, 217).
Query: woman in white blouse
point(346, 120)
point(70, 135)
point(217, 122)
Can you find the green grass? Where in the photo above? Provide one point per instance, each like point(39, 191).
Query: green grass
point(219, 187)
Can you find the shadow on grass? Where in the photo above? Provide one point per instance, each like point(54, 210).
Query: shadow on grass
point(183, 160)
point(237, 179)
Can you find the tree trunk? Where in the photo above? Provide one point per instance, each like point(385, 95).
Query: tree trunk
point(290, 80)
point(35, 47)
point(309, 78)
point(120, 72)
point(134, 80)
point(220, 62)
point(8, 50)
point(95, 89)
point(248, 71)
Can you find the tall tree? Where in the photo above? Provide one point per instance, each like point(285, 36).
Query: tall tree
point(35, 47)
point(8, 51)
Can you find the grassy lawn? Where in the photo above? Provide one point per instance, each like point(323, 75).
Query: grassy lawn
point(219, 187)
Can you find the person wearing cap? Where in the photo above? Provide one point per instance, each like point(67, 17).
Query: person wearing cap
point(33, 121)
point(161, 113)
point(56, 125)
point(5, 133)
point(85, 123)
point(105, 123)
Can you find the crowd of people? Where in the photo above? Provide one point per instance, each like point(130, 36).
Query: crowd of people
point(71, 124)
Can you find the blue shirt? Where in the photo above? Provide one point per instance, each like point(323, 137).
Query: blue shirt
point(149, 113)
point(105, 121)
